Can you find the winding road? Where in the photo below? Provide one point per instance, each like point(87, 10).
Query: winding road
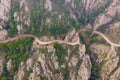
point(110, 42)
point(59, 41)
point(38, 40)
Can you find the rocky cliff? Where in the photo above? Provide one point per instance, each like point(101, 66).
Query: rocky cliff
point(92, 57)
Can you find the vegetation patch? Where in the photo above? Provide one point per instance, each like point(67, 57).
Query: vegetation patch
point(95, 71)
point(60, 52)
point(17, 51)
point(12, 24)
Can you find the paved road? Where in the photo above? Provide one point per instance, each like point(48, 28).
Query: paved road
point(38, 40)
point(110, 42)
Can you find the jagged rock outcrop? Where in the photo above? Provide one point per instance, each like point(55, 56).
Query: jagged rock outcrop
point(107, 59)
point(90, 5)
point(115, 75)
point(20, 74)
point(72, 36)
point(78, 65)
point(5, 6)
point(113, 32)
point(67, 22)
point(9, 65)
point(108, 15)
point(35, 74)
point(4, 9)
point(48, 5)
point(3, 34)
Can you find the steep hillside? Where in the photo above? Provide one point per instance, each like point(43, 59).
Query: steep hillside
point(59, 39)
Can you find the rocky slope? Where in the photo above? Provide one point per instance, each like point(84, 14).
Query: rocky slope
point(49, 62)
point(67, 20)
point(45, 65)
point(107, 60)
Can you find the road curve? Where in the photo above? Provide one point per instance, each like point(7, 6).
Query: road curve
point(110, 42)
point(59, 41)
point(38, 40)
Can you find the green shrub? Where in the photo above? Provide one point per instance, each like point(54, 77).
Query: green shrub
point(60, 52)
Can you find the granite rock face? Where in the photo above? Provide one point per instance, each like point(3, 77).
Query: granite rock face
point(72, 63)
point(108, 61)
point(5, 6)
point(67, 20)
